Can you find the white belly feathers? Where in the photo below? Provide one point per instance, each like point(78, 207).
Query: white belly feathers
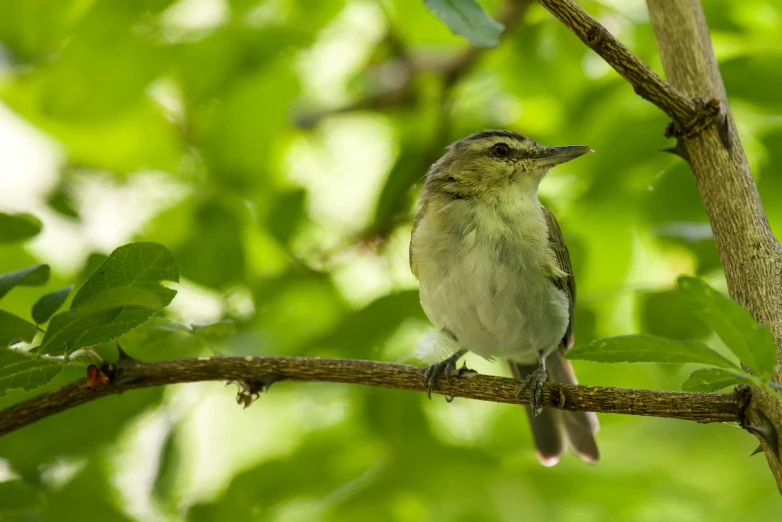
point(487, 279)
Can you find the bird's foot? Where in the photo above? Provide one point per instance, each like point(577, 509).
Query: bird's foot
point(534, 382)
point(446, 368)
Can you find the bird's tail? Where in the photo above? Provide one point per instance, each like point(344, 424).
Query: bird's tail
point(552, 429)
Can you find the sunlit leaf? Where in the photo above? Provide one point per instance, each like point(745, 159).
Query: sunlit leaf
point(31, 276)
point(45, 307)
point(99, 318)
point(91, 265)
point(17, 227)
point(22, 370)
point(66, 327)
point(713, 379)
point(648, 348)
point(467, 18)
point(143, 266)
point(123, 293)
point(120, 296)
point(752, 343)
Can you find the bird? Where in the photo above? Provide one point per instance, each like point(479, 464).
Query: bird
point(495, 275)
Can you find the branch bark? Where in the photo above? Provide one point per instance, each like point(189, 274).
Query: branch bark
point(750, 254)
point(707, 138)
point(644, 80)
point(129, 374)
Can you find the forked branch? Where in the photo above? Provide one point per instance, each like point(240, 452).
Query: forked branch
point(644, 80)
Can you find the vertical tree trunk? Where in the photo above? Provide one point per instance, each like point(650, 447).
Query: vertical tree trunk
point(751, 255)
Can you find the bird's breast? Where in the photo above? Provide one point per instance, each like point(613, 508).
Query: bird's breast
point(485, 275)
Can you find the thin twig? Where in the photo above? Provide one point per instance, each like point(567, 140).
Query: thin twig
point(644, 80)
point(130, 374)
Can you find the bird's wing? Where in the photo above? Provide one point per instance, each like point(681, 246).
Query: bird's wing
point(566, 283)
point(418, 216)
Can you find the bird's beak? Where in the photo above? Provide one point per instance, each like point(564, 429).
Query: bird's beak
point(551, 156)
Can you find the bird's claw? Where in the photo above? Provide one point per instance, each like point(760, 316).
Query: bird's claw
point(534, 382)
point(445, 368)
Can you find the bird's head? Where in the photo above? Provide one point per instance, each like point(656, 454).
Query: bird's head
point(489, 165)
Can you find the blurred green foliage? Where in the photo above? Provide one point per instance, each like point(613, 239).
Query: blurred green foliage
point(279, 146)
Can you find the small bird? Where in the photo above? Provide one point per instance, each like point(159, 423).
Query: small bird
point(495, 274)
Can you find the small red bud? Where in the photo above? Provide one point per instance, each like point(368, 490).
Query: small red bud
point(95, 376)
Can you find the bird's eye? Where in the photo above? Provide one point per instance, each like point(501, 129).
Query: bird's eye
point(501, 150)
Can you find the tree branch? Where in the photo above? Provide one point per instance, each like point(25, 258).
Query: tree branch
point(129, 374)
point(750, 254)
point(644, 80)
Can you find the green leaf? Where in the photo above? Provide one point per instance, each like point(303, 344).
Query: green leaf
point(143, 266)
point(287, 214)
point(13, 328)
point(98, 320)
point(214, 331)
point(467, 18)
point(17, 227)
point(648, 348)
point(61, 201)
point(91, 266)
point(713, 379)
point(85, 357)
point(45, 307)
point(66, 327)
point(160, 338)
point(752, 343)
point(31, 276)
point(164, 488)
point(27, 371)
point(121, 294)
